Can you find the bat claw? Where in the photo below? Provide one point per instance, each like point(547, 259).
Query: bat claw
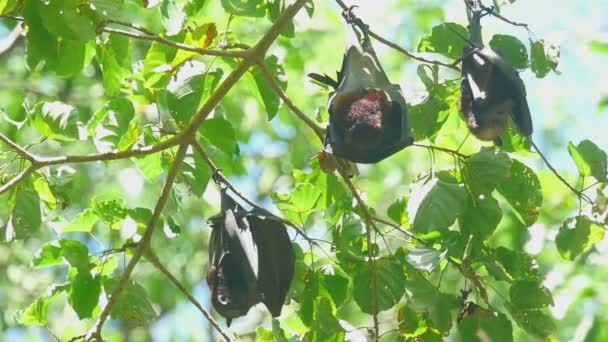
point(352, 19)
point(217, 176)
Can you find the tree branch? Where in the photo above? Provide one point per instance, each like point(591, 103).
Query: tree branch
point(153, 258)
point(143, 244)
point(40, 162)
point(18, 149)
point(277, 89)
point(397, 47)
point(370, 256)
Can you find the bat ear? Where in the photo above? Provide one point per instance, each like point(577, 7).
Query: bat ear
point(228, 322)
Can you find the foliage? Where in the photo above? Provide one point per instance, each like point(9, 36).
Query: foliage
point(116, 117)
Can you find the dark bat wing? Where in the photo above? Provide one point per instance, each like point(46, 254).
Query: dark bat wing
point(521, 111)
point(233, 270)
point(277, 261)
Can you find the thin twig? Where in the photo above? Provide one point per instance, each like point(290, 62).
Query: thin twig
point(442, 149)
point(181, 46)
point(277, 89)
point(133, 26)
point(578, 193)
point(399, 48)
point(144, 243)
point(40, 162)
point(370, 256)
point(18, 149)
point(399, 228)
point(153, 258)
point(224, 180)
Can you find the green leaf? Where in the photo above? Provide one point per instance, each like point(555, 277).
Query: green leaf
point(336, 286)
point(522, 191)
point(530, 294)
point(7, 6)
point(37, 312)
point(481, 217)
point(590, 159)
point(150, 165)
point(84, 294)
point(55, 120)
point(71, 58)
point(515, 264)
point(115, 58)
point(577, 235)
point(325, 325)
point(196, 173)
point(397, 212)
point(245, 8)
point(111, 210)
point(511, 49)
point(275, 8)
point(220, 133)
point(75, 253)
point(83, 222)
point(41, 44)
point(411, 323)
point(276, 335)
point(173, 16)
point(544, 58)
point(485, 169)
point(494, 327)
point(158, 67)
point(132, 307)
point(446, 39)
point(41, 185)
point(49, 254)
point(535, 322)
point(67, 19)
point(300, 203)
point(513, 141)
point(427, 118)
point(425, 259)
point(25, 218)
point(436, 203)
point(269, 97)
point(113, 124)
point(348, 237)
point(186, 95)
point(390, 284)
point(425, 298)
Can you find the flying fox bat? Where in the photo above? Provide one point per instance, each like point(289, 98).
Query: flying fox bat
point(251, 260)
point(367, 113)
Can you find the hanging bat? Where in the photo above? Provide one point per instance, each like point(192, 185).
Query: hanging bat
point(233, 270)
point(491, 90)
point(251, 260)
point(367, 114)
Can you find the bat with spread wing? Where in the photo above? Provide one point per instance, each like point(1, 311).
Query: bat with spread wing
point(251, 260)
point(491, 89)
point(367, 113)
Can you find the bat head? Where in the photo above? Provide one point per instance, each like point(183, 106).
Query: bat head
point(230, 296)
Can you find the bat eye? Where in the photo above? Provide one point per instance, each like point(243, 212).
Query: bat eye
point(224, 299)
